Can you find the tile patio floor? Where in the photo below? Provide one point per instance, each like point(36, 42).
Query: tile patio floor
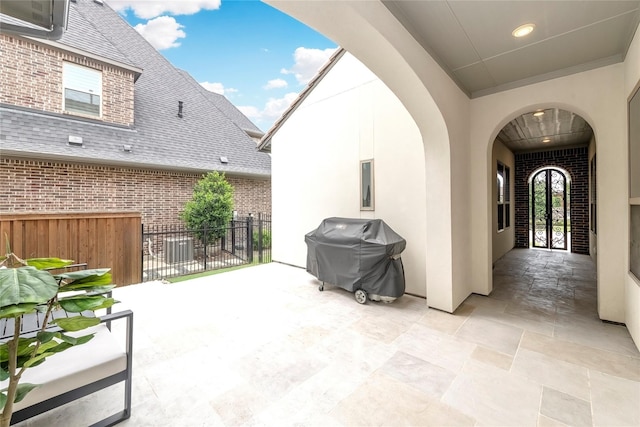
point(261, 346)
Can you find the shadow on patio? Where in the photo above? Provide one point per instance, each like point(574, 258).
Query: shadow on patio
point(261, 346)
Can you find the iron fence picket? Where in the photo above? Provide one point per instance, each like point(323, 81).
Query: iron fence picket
point(173, 250)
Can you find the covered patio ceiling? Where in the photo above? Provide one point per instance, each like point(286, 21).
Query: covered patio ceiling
point(473, 42)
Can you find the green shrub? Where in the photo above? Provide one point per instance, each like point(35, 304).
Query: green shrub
point(266, 239)
point(209, 211)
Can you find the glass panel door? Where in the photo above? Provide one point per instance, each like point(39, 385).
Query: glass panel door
point(549, 209)
point(558, 210)
point(539, 196)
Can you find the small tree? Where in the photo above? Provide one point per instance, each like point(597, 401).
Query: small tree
point(211, 207)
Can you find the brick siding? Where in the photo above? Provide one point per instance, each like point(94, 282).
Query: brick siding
point(31, 76)
point(573, 160)
point(37, 185)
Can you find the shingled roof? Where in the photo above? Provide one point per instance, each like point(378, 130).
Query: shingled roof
point(208, 130)
point(227, 108)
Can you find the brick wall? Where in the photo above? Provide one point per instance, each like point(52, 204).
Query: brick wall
point(34, 185)
point(31, 76)
point(575, 161)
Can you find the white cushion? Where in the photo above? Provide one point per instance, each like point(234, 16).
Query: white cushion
point(77, 366)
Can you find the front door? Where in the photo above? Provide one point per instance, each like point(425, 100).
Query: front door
point(549, 209)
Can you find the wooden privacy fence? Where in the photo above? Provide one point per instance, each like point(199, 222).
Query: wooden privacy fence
point(106, 239)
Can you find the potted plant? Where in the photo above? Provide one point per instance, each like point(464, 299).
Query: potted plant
point(26, 287)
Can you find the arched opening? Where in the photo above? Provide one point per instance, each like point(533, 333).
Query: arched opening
point(544, 175)
point(544, 138)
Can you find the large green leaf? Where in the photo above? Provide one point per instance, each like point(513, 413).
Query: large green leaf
point(45, 336)
point(4, 375)
point(24, 348)
point(49, 263)
point(83, 274)
point(26, 285)
point(23, 389)
point(80, 303)
point(76, 323)
point(3, 400)
point(36, 360)
point(68, 339)
point(17, 310)
point(89, 289)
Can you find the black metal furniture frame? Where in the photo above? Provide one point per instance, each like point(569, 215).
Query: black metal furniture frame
point(70, 396)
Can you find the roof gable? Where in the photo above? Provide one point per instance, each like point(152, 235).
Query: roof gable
point(265, 142)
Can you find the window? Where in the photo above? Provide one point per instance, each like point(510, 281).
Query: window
point(82, 90)
point(593, 196)
point(504, 197)
point(366, 185)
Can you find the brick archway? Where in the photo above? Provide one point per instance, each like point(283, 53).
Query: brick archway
point(576, 162)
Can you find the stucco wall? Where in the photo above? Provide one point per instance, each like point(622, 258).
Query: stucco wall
point(458, 134)
point(441, 112)
point(502, 240)
point(632, 286)
point(316, 167)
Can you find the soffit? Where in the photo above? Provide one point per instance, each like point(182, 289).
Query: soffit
point(473, 43)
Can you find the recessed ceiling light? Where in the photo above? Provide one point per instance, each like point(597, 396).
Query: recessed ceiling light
point(538, 113)
point(523, 30)
point(546, 140)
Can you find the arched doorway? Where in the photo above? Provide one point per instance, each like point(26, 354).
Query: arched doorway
point(540, 139)
point(549, 201)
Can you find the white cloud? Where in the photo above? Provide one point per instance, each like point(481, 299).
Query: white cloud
point(218, 87)
point(162, 32)
point(272, 110)
point(307, 63)
point(250, 111)
point(276, 106)
point(275, 84)
point(147, 9)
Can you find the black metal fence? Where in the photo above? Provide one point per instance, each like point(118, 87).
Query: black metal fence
point(173, 250)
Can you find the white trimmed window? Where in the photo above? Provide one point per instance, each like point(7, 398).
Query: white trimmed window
point(504, 197)
point(82, 90)
point(366, 185)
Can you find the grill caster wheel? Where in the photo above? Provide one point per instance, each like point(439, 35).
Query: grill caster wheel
point(321, 287)
point(361, 296)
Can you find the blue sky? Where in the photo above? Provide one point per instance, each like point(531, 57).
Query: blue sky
point(257, 56)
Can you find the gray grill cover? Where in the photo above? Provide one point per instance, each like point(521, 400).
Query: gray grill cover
point(357, 253)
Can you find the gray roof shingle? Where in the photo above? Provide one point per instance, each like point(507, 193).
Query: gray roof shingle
point(160, 139)
point(226, 107)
